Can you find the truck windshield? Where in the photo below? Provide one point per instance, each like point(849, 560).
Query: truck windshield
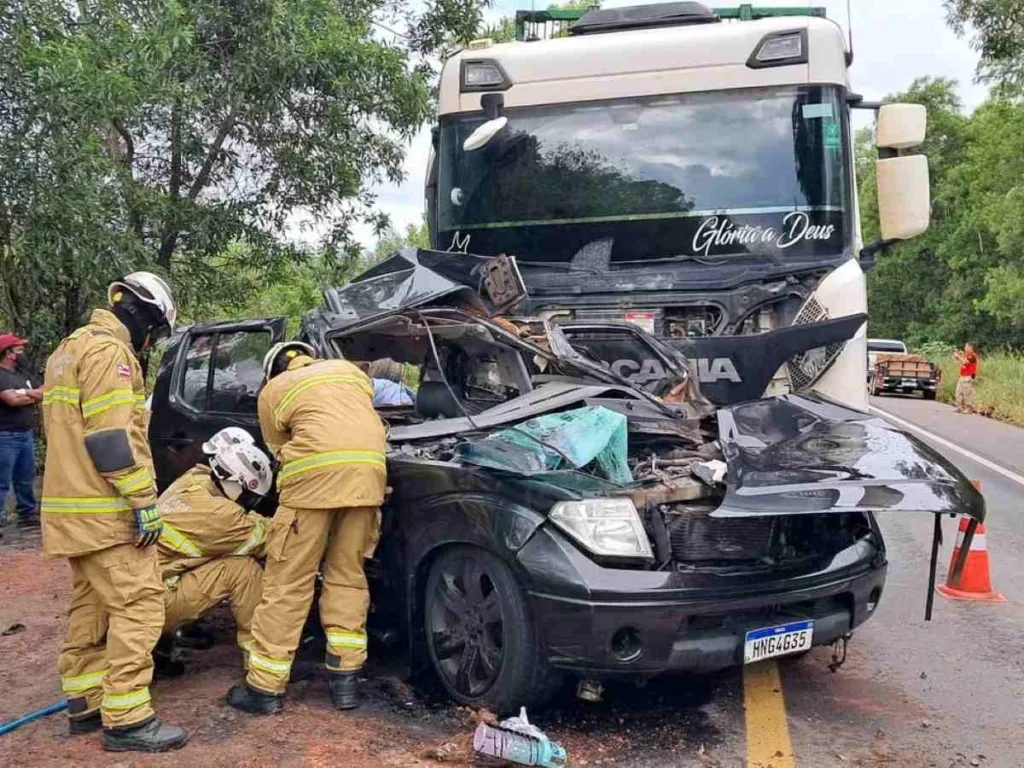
point(753, 174)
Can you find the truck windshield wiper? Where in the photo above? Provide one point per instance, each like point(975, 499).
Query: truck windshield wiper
point(722, 259)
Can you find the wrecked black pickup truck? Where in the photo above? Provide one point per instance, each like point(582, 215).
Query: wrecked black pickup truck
point(549, 518)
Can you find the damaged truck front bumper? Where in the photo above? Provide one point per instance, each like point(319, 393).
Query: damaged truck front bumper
point(609, 622)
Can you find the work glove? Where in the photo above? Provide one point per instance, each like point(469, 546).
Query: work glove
point(148, 525)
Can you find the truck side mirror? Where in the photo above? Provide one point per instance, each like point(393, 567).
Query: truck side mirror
point(901, 126)
point(904, 195)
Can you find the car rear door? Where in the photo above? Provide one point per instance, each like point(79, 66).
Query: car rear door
point(209, 379)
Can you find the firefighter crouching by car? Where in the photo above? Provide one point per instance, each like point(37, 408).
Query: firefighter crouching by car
point(209, 542)
point(318, 419)
point(99, 511)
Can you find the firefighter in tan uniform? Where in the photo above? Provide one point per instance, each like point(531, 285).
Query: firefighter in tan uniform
point(209, 542)
point(318, 419)
point(99, 511)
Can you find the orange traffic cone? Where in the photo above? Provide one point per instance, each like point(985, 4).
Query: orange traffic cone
point(975, 582)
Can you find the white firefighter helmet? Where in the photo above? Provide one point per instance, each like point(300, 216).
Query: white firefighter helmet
point(227, 436)
point(290, 348)
point(242, 467)
point(149, 289)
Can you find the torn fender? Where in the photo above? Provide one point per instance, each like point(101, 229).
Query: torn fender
point(805, 455)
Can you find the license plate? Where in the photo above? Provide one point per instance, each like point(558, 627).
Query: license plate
point(777, 641)
point(912, 383)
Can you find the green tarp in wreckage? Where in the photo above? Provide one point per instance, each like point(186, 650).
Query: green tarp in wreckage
point(567, 440)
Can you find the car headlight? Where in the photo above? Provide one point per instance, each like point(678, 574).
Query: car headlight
point(605, 527)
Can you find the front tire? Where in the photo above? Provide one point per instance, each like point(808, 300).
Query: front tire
point(482, 640)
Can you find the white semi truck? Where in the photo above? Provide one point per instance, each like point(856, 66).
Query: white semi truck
point(687, 170)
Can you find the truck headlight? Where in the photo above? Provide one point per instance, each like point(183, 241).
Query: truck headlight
point(605, 527)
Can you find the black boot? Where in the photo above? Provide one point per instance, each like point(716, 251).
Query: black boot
point(150, 736)
point(344, 693)
point(83, 725)
point(165, 659)
point(254, 702)
point(194, 636)
point(301, 670)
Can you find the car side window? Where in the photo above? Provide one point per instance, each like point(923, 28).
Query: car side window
point(194, 389)
point(223, 371)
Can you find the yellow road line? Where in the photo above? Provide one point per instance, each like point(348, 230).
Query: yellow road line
point(768, 743)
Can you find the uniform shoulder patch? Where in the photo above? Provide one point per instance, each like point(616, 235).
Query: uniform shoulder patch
point(124, 371)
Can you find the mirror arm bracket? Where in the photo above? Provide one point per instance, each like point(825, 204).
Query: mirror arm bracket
point(492, 104)
point(869, 252)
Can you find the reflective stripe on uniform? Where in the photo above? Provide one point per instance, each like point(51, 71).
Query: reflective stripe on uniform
point(83, 506)
point(66, 395)
point(257, 537)
point(276, 667)
point(125, 700)
point(136, 481)
point(330, 458)
point(339, 639)
point(140, 402)
point(83, 683)
point(174, 539)
point(324, 378)
point(98, 405)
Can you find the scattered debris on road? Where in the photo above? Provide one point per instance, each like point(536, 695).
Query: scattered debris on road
point(518, 741)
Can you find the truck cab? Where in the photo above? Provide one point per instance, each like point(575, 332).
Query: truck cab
point(684, 169)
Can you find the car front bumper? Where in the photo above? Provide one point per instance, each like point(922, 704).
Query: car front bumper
point(613, 622)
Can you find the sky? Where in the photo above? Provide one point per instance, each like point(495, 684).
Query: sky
point(894, 42)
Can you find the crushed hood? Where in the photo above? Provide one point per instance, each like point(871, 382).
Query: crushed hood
point(415, 278)
point(804, 455)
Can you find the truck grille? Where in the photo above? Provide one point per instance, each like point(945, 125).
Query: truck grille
point(696, 537)
point(805, 368)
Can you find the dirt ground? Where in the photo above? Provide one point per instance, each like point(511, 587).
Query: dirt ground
point(396, 726)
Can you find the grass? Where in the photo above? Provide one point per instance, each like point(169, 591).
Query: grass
point(999, 388)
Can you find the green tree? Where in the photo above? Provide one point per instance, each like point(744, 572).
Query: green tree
point(911, 290)
point(964, 279)
point(996, 28)
point(504, 29)
point(390, 241)
point(160, 134)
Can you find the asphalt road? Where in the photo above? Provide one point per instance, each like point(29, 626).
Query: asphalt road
point(949, 692)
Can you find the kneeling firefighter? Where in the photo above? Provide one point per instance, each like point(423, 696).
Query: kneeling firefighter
point(317, 417)
point(210, 541)
point(99, 511)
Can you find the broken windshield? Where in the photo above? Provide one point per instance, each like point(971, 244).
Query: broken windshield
point(749, 173)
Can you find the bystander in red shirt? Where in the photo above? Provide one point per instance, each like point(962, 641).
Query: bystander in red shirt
point(969, 366)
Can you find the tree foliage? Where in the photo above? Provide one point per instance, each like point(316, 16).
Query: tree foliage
point(162, 133)
point(964, 279)
point(997, 34)
point(414, 236)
